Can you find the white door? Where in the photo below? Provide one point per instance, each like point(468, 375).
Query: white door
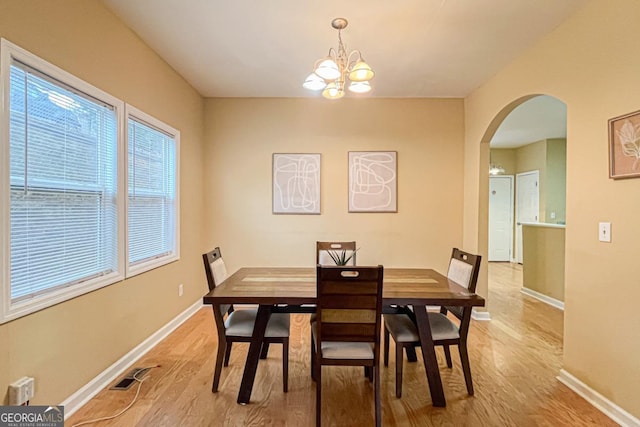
point(527, 205)
point(500, 217)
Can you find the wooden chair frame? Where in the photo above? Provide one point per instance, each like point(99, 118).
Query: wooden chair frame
point(349, 310)
point(463, 314)
point(336, 246)
point(225, 341)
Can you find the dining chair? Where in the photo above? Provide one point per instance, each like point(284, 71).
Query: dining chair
point(323, 258)
point(346, 331)
point(463, 269)
point(336, 248)
point(237, 325)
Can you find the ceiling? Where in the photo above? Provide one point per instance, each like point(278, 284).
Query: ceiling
point(418, 48)
point(539, 118)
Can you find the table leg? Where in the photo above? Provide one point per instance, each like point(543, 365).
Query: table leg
point(253, 356)
point(429, 356)
point(411, 354)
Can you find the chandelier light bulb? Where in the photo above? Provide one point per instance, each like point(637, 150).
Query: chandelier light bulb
point(328, 69)
point(332, 91)
point(360, 87)
point(361, 72)
point(314, 82)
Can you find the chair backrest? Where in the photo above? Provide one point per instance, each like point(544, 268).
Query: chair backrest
point(215, 268)
point(463, 269)
point(349, 303)
point(337, 248)
point(216, 272)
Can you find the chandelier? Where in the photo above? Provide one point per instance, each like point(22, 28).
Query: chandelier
point(330, 75)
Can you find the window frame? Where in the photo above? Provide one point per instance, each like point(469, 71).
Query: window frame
point(9, 310)
point(138, 115)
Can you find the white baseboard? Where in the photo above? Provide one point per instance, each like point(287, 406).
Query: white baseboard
point(544, 298)
point(475, 315)
point(480, 315)
point(606, 406)
point(84, 394)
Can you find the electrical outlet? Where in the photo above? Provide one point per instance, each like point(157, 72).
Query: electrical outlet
point(21, 391)
point(180, 289)
point(604, 232)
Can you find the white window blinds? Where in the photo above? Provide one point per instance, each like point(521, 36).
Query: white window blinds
point(152, 221)
point(63, 184)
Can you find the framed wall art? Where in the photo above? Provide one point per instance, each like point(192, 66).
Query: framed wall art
point(624, 146)
point(373, 181)
point(296, 183)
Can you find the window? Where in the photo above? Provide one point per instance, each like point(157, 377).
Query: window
point(66, 224)
point(62, 184)
point(152, 225)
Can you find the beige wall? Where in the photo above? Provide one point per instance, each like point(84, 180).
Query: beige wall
point(543, 256)
point(533, 157)
point(67, 345)
point(593, 74)
point(242, 135)
point(556, 181)
point(505, 157)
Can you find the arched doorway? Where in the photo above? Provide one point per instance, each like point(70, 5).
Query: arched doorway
point(526, 139)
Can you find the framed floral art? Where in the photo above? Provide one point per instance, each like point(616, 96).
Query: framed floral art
point(624, 146)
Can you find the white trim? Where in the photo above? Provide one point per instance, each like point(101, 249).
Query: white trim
point(84, 394)
point(603, 404)
point(5, 197)
point(482, 316)
point(544, 298)
point(544, 224)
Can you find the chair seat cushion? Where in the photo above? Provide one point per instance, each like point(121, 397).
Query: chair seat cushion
point(343, 350)
point(443, 328)
point(240, 324)
point(403, 329)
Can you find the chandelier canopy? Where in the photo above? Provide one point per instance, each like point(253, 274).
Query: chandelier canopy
point(330, 74)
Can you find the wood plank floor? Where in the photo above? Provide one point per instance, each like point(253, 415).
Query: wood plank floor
point(514, 360)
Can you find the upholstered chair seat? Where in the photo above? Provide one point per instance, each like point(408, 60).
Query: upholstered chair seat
point(240, 324)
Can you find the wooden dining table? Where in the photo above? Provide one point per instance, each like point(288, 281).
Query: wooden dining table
point(277, 289)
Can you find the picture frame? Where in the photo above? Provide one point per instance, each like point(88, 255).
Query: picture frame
point(624, 146)
point(373, 181)
point(296, 183)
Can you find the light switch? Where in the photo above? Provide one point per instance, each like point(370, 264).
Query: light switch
point(604, 232)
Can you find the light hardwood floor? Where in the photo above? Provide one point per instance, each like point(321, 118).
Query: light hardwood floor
point(514, 360)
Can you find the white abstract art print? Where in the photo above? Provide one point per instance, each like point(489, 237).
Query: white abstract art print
point(373, 181)
point(296, 183)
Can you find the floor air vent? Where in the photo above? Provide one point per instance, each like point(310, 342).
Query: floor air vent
point(127, 381)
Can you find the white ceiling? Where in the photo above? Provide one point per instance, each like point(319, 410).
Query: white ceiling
point(539, 118)
point(418, 48)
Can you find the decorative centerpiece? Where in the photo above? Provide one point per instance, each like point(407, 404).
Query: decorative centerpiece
point(340, 257)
